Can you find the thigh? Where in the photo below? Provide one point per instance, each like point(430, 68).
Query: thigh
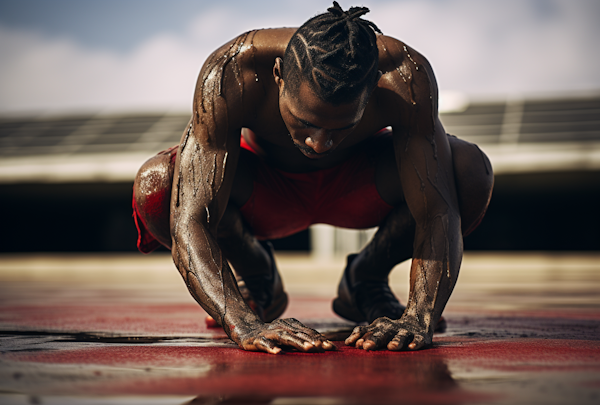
point(474, 181)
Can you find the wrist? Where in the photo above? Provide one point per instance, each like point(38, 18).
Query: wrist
point(237, 326)
point(419, 319)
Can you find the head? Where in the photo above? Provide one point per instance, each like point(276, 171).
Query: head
point(325, 79)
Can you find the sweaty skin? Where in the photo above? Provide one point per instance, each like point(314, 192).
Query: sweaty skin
point(240, 87)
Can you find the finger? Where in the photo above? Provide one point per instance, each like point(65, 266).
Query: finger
point(309, 334)
point(327, 345)
point(288, 339)
point(294, 324)
point(399, 340)
point(417, 343)
point(378, 339)
point(320, 340)
point(264, 344)
point(317, 341)
point(365, 340)
point(356, 334)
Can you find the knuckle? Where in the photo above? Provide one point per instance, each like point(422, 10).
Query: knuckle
point(302, 335)
point(378, 334)
point(375, 339)
point(403, 332)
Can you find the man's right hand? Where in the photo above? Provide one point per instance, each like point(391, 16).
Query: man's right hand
point(288, 333)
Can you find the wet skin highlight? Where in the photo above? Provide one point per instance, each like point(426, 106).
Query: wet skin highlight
point(439, 186)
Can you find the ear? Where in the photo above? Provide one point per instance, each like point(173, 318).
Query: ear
point(278, 73)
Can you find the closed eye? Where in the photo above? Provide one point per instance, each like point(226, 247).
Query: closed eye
point(307, 124)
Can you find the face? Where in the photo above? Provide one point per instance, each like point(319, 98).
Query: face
point(317, 127)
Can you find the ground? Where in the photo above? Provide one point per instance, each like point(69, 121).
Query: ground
point(122, 329)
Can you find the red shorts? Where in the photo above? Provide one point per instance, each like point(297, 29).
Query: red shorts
point(284, 203)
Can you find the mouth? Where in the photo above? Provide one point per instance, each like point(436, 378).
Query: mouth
point(310, 153)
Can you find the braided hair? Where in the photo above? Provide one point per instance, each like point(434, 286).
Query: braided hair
point(335, 53)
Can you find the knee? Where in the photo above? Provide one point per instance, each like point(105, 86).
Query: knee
point(472, 169)
point(474, 179)
point(155, 176)
point(152, 196)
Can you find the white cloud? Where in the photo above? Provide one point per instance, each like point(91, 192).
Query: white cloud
point(478, 47)
point(41, 74)
point(503, 47)
point(56, 75)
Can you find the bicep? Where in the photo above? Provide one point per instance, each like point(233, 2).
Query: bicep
point(209, 150)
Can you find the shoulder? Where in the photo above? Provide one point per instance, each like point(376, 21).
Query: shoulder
point(270, 43)
point(256, 46)
point(394, 53)
point(399, 63)
point(238, 74)
point(407, 75)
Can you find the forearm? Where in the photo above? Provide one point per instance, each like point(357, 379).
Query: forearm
point(434, 271)
point(211, 281)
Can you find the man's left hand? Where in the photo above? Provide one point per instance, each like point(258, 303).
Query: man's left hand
point(395, 335)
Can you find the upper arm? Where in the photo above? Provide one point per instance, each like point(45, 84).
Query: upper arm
point(421, 145)
point(209, 149)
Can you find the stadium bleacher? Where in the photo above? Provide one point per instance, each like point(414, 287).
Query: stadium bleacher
point(545, 153)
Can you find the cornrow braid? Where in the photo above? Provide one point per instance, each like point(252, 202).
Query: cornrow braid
point(335, 53)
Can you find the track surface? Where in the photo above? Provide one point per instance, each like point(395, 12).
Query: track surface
point(123, 330)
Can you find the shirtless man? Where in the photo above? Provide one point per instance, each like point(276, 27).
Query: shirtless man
point(311, 105)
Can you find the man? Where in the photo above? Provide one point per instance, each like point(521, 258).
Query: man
point(312, 106)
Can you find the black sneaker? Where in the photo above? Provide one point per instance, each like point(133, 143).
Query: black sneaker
point(264, 294)
point(366, 300)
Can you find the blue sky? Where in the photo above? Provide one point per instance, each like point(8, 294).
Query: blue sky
point(66, 55)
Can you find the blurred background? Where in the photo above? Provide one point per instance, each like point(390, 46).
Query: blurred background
point(90, 90)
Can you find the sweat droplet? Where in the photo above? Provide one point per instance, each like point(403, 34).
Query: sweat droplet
point(410, 57)
point(404, 71)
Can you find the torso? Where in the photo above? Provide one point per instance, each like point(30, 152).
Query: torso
point(389, 105)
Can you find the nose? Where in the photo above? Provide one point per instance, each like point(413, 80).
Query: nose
point(320, 142)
